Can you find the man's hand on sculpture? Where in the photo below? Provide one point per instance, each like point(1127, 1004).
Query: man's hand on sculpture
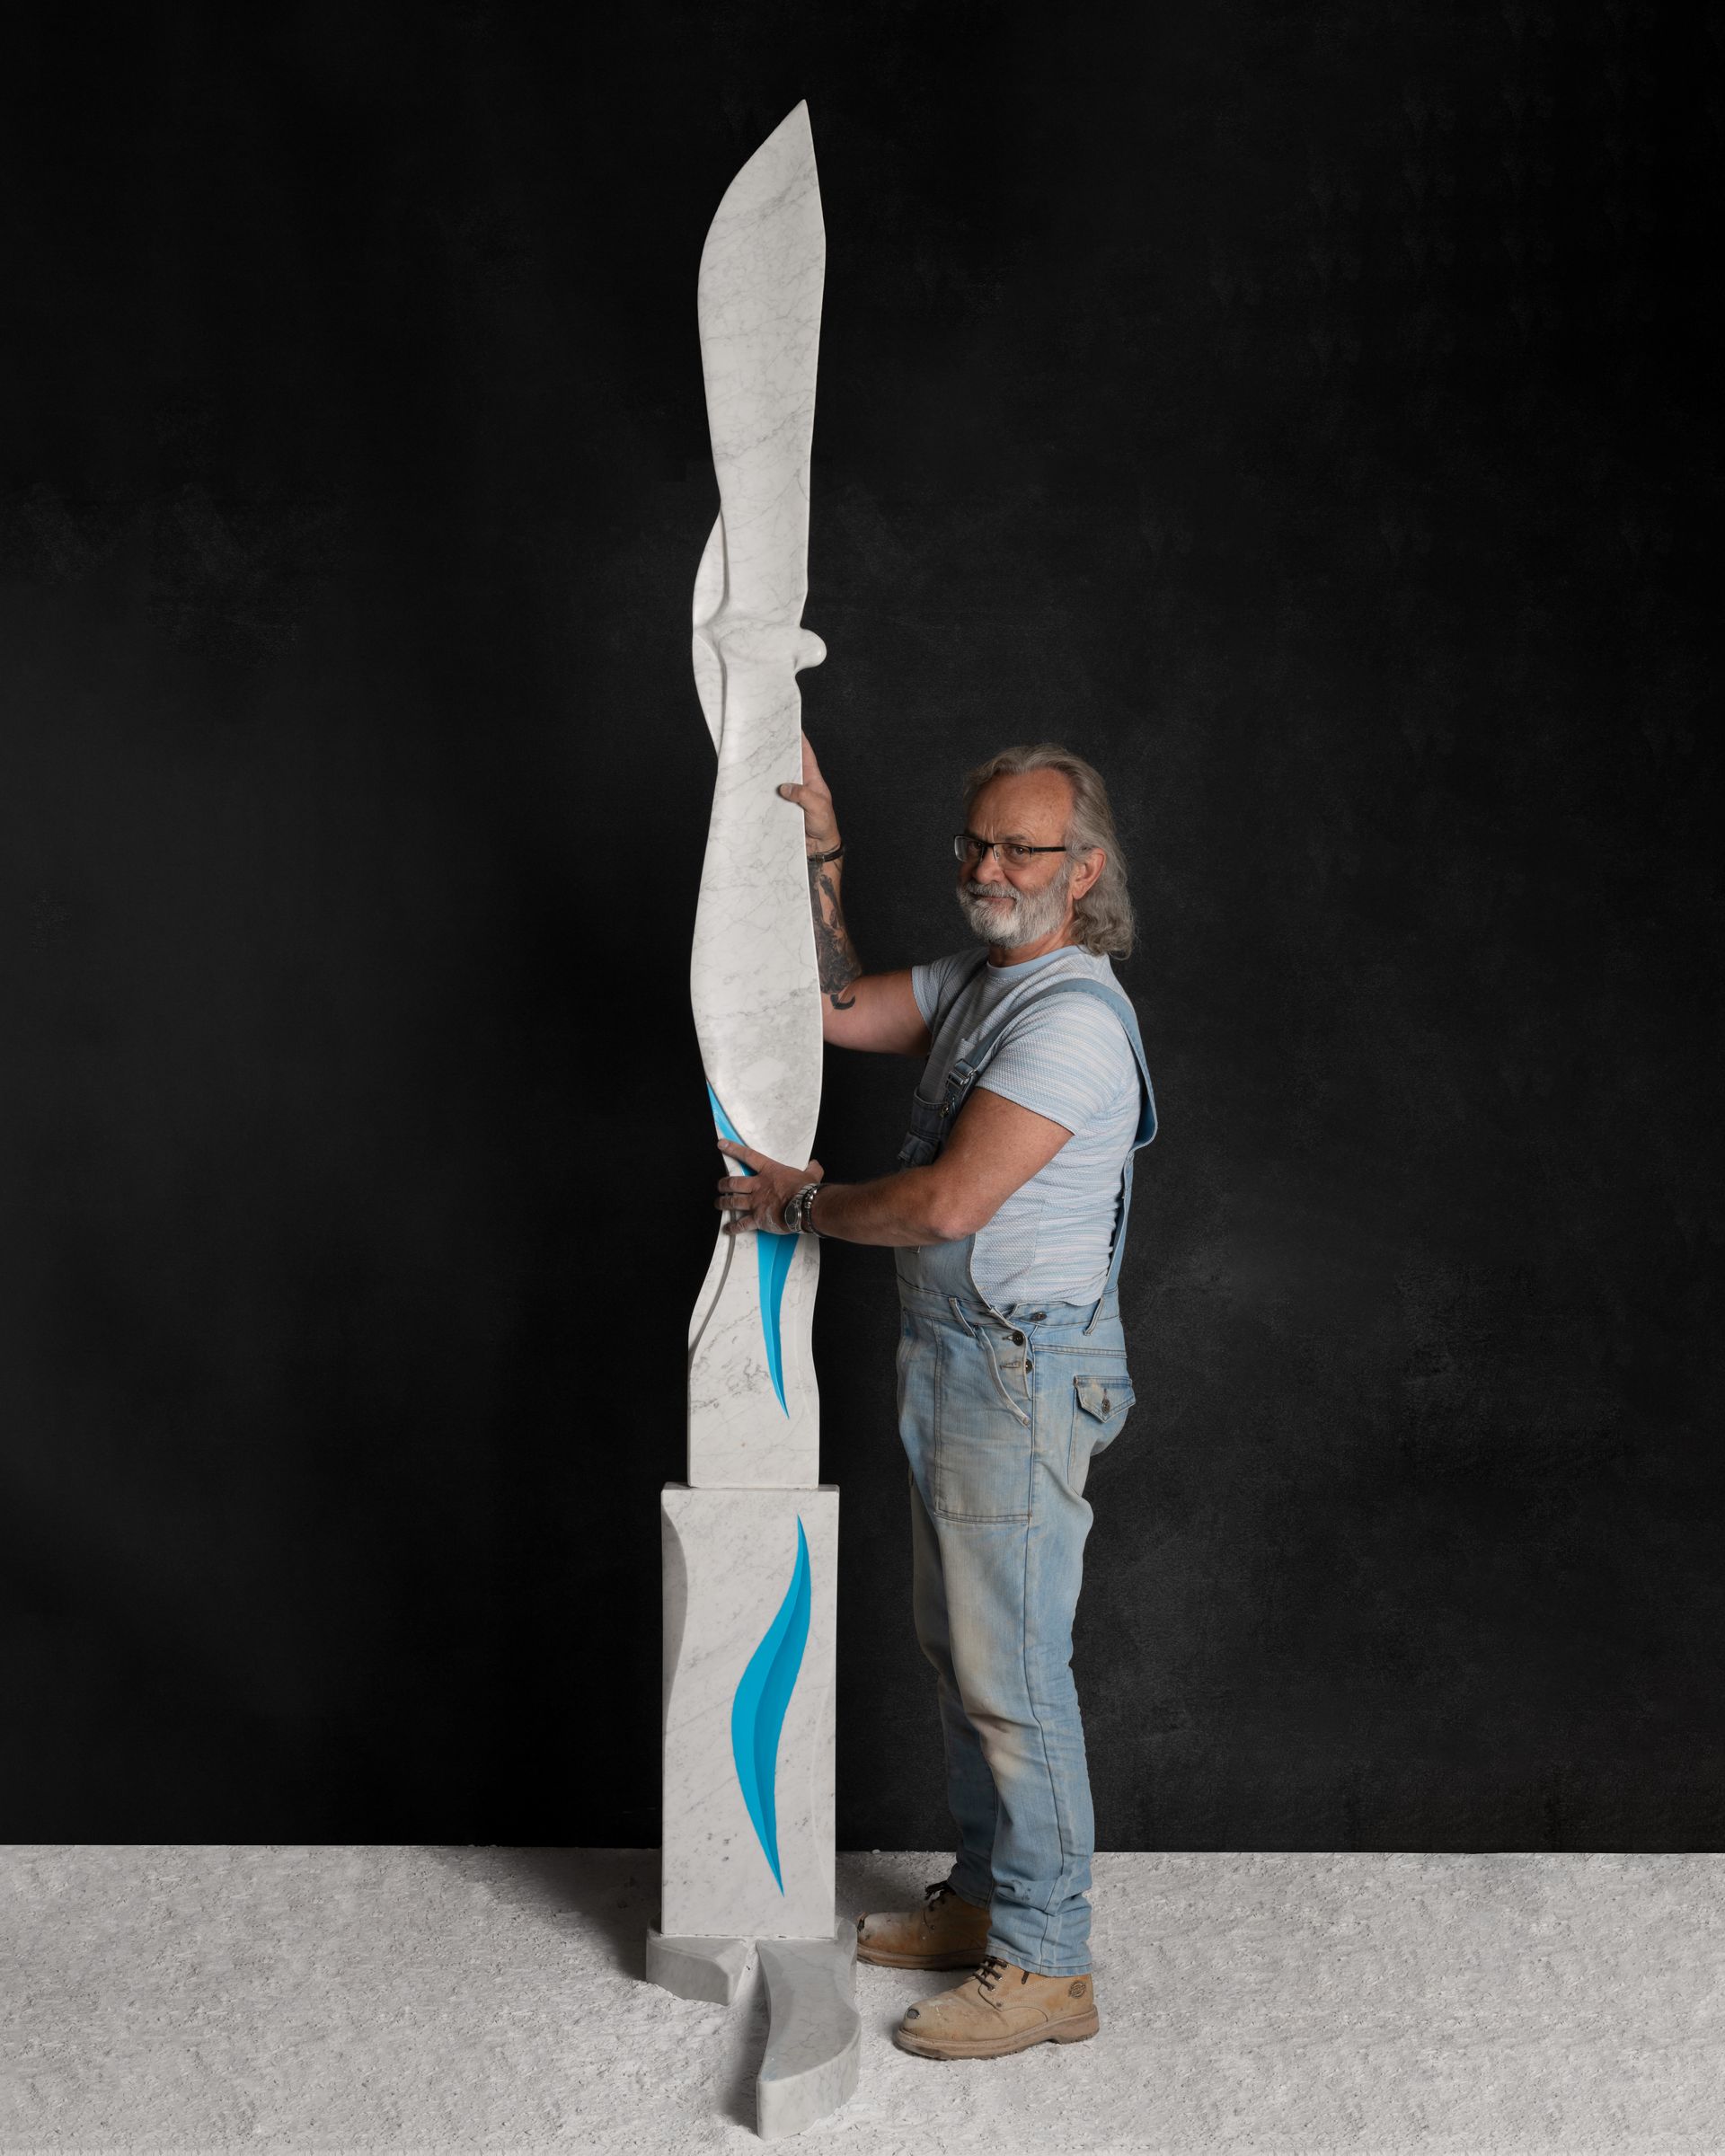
point(814, 797)
point(759, 1200)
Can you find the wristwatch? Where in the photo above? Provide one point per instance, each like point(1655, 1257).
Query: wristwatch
point(796, 1218)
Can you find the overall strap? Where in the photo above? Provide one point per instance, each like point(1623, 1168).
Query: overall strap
point(947, 1267)
point(979, 1049)
point(1117, 1250)
point(1147, 1130)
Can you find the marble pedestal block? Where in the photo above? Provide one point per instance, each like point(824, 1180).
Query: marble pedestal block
point(750, 1615)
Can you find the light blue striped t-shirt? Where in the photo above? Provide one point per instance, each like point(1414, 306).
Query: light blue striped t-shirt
point(1069, 1059)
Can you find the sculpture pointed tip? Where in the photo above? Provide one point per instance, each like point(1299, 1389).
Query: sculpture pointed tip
point(796, 122)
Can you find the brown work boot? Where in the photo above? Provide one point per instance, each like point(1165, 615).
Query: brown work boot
point(1000, 2008)
point(947, 1932)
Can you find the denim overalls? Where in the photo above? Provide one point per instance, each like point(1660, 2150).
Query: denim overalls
point(1001, 1412)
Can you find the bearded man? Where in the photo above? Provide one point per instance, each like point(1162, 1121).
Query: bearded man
point(1007, 1217)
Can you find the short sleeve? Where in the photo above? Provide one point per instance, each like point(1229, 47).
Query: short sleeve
point(1068, 1058)
point(932, 984)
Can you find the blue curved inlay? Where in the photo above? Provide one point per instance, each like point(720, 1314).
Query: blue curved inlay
point(726, 1126)
point(773, 1254)
point(763, 1695)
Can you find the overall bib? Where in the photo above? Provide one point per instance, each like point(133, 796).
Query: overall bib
point(1001, 1412)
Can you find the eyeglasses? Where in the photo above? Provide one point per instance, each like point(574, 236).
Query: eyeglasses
point(1010, 852)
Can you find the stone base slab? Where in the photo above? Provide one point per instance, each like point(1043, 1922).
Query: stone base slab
point(713, 1969)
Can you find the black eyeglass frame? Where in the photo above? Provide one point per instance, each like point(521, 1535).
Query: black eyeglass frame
point(965, 844)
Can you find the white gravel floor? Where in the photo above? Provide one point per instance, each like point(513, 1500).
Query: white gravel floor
point(309, 1998)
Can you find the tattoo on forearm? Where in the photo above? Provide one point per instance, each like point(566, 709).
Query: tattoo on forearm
point(834, 953)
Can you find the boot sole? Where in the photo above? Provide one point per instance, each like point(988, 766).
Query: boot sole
point(967, 1959)
point(1072, 2029)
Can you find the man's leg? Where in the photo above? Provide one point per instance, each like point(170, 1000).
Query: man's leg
point(1011, 1592)
point(971, 1793)
point(1002, 1491)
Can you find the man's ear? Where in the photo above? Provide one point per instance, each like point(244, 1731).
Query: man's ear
point(1094, 863)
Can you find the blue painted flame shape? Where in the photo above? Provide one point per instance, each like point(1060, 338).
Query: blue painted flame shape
point(773, 1253)
point(757, 1711)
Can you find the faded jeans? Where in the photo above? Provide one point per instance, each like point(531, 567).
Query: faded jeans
point(1000, 1424)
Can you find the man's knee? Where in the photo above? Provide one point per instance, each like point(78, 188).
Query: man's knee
point(1010, 1735)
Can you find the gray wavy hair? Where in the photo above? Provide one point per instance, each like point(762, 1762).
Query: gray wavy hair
point(1101, 919)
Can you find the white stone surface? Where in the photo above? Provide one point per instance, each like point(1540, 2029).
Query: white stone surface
point(814, 2040)
point(753, 979)
point(740, 1435)
point(729, 1559)
point(709, 592)
point(730, 1539)
point(278, 1999)
point(713, 1969)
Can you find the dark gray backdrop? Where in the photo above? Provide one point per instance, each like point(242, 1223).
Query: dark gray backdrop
point(1300, 412)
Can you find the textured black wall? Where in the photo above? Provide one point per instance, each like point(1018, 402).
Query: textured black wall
point(1302, 411)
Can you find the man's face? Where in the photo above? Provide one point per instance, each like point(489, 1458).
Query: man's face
point(1016, 905)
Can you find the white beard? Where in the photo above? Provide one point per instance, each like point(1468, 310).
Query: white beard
point(1026, 918)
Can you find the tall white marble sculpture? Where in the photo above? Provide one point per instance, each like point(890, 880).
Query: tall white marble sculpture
point(751, 1539)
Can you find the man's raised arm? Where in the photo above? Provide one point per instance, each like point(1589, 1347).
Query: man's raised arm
point(858, 1010)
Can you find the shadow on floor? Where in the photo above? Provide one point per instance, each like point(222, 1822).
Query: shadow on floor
point(610, 1895)
point(869, 1880)
point(615, 1891)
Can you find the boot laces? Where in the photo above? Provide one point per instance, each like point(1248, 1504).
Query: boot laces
point(989, 1973)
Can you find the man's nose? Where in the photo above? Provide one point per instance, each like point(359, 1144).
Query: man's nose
point(989, 869)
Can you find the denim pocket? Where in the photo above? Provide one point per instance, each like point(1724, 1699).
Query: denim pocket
point(985, 1450)
point(1101, 1402)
